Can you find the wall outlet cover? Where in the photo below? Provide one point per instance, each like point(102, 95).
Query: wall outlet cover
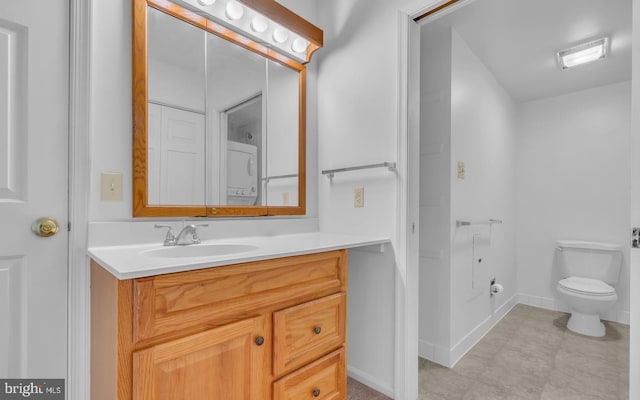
point(358, 197)
point(460, 169)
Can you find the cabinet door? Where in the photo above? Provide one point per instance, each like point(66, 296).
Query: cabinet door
point(225, 363)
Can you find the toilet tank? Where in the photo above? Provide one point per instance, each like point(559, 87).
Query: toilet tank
point(593, 260)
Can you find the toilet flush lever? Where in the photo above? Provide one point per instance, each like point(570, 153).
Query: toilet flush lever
point(635, 237)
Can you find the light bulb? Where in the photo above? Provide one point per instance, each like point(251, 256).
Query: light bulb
point(259, 24)
point(234, 10)
point(299, 45)
point(206, 2)
point(280, 35)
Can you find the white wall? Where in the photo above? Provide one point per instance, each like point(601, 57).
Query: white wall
point(357, 110)
point(573, 183)
point(483, 131)
point(467, 117)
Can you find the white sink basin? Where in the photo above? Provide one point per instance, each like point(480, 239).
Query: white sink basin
point(199, 250)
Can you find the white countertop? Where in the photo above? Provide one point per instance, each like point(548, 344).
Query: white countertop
point(134, 261)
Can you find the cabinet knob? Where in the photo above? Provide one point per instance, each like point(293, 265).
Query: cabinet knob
point(317, 330)
point(316, 392)
point(260, 340)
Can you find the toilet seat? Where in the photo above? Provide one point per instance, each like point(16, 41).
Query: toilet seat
point(586, 286)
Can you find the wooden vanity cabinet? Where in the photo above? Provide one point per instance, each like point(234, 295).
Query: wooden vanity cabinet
point(273, 329)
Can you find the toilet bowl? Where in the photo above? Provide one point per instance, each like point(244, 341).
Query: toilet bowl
point(586, 299)
point(588, 270)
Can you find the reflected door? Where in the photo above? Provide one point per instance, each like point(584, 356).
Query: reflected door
point(176, 156)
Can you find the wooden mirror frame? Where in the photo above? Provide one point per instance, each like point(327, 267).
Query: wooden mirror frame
point(269, 8)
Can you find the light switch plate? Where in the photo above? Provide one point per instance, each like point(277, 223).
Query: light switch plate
point(111, 186)
point(358, 197)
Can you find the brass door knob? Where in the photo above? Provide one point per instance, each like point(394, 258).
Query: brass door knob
point(45, 226)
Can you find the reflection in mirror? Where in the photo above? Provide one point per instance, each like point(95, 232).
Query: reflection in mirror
point(236, 137)
point(282, 127)
point(176, 111)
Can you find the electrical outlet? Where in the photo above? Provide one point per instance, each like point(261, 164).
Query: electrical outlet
point(460, 170)
point(358, 197)
point(111, 186)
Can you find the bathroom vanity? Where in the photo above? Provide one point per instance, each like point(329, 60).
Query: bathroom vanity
point(268, 322)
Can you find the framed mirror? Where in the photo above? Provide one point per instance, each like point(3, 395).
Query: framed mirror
point(219, 119)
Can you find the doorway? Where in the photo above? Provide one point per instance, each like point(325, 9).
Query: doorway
point(488, 182)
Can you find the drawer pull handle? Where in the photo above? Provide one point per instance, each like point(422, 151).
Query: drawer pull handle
point(317, 330)
point(316, 392)
point(260, 340)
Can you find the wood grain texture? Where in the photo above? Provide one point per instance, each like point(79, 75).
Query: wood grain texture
point(177, 302)
point(435, 10)
point(140, 176)
point(223, 362)
point(111, 339)
point(327, 375)
point(288, 19)
point(189, 322)
point(307, 331)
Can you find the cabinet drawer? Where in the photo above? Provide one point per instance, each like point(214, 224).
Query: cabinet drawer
point(307, 331)
point(325, 379)
point(175, 304)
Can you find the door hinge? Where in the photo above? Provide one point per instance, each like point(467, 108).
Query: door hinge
point(635, 237)
point(69, 226)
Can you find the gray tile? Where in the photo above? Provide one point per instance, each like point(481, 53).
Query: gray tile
point(515, 381)
point(444, 382)
point(589, 384)
point(359, 391)
point(531, 355)
point(553, 392)
point(471, 366)
point(486, 391)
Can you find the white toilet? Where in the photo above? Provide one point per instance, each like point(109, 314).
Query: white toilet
point(588, 271)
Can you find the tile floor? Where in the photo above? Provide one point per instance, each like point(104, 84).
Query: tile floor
point(530, 354)
point(358, 391)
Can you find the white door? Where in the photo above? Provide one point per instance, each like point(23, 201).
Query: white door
point(176, 156)
point(34, 69)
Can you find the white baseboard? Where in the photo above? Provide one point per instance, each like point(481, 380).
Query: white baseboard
point(622, 317)
point(434, 353)
point(370, 381)
point(449, 357)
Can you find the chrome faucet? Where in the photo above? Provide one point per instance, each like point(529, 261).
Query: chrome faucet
point(188, 235)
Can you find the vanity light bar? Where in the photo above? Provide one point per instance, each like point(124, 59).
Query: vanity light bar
point(238, 17)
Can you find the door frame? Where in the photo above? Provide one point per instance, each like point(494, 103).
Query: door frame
point(78, 289)
point(407, 296)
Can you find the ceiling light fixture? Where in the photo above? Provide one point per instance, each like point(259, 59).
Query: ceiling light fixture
point(583, 53)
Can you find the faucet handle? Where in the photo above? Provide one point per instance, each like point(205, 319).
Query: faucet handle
point(170, 239)
point(196, 238)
